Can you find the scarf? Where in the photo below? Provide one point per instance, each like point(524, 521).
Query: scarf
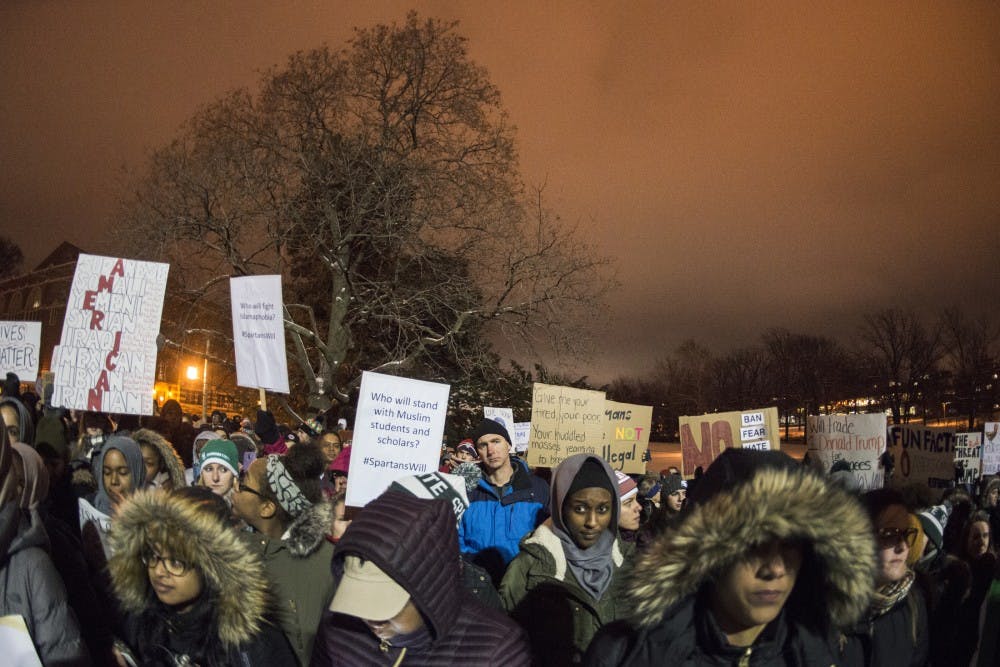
point(888, 596)
point(592, 567)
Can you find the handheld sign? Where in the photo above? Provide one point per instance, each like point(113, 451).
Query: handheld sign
point(924, 454)
point(259, 333)
point(564, 421)
point(397, 432)
point(106, 358)
point(521, 435)
point(627, 435)
point(704, 437)
point(991, 448)
point(857, 439)
point(968, 457)
point(19, 343)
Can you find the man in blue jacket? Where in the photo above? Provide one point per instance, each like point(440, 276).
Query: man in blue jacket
point(505, 503)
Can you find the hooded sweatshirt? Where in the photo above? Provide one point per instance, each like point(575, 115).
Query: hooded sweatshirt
point(414, 541)
point(542, 589)
point(747, 498)
point(25, 424)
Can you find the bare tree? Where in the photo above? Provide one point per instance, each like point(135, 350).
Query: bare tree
point(741, 379)
point(381, 182)
point(11, 258)
point(899, 353)
point(970, 353)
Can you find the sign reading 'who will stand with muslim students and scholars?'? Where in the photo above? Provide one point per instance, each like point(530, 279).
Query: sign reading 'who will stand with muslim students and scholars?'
point(397, 432)
point(106, 357)
point(704, 437)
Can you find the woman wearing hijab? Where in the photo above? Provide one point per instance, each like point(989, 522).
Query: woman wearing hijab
point(566, 582)
point(119, 471)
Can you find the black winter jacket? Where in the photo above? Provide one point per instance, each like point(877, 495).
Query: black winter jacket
point(897, 638)
point(414, 541)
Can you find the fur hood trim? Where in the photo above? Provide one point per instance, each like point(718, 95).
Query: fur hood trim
point(171, 459)
point(309, 529)
point(231, 572)
point(544, 538)
point(773, 504)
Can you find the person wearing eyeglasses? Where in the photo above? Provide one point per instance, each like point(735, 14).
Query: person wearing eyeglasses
point(895, 630)
point(192, 593)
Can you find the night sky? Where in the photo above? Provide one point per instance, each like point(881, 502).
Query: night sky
point(785, 165)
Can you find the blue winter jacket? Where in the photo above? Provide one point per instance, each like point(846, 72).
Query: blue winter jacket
point(491, 529)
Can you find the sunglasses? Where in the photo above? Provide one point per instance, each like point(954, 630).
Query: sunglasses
point(888, 537)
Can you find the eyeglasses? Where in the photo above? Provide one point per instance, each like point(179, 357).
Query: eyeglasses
point(888, 537)
point(173, 566)
point(244, 487)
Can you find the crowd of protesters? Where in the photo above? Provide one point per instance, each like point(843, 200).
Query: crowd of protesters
point(172, 540)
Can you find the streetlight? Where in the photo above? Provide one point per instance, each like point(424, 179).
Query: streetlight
point(192, 372)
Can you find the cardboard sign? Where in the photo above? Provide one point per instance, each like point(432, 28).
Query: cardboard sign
point(627, 435)
point(968, 457)
point(259, 333)
point(564, 421)
point(924, 454)
point(397, 432)
point(521, 435)
point(857, 439)
point(106, 358)
point(991, 448)
point(704, 437)
point(19, 343)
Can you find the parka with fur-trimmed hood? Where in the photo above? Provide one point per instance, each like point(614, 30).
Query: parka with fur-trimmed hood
point(746, 499)
point(414, 541)
point(540, 589)
point(173, 466)
point(237, 601)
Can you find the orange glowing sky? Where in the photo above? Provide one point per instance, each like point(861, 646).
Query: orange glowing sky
point(748, 165)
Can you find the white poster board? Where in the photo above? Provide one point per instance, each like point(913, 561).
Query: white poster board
point(106, 358)
point(858, 439)
point(259, 332)
point(969, 456)
point(502, 416)
point(19, 349)
point(521, 435)
point(397, 432)
point(991, 448)
point(924, 454)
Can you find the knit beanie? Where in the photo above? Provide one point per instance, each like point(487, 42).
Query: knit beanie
point(591, 475)
point(266, 428)
point(488, 426)
point(735, 466)
point(626, 486)
point(220, 451)
point(672, 483)
point(933, 521)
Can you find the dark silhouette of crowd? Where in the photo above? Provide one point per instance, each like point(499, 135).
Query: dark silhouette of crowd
point(175, 540)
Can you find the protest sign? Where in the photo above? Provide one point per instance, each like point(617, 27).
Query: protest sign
point(924, 454)
point(991, 448)
point(857, 439)
point(704, 437)
point(502, 416)
point(521, 435)
point(106, 357)
point(564, 421)
point(627, 434)
point(19, 343)
point(968, 457)
point(397, 432)
point(18, 648)
point(259, 332)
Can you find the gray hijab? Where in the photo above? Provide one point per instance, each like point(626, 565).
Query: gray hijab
point(592, 567)
point(133, 458)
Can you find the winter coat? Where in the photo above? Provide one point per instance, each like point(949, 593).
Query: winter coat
point(988, 652)
point(897, 638)
point(492, 528)
point(236, 602)
point(171, 459)
point(299, 567)
point(543, 596)
point(31, 587)
point(670, 623)
point(414, 541)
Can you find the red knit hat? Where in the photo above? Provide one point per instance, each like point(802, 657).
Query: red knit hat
point(626, 485)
